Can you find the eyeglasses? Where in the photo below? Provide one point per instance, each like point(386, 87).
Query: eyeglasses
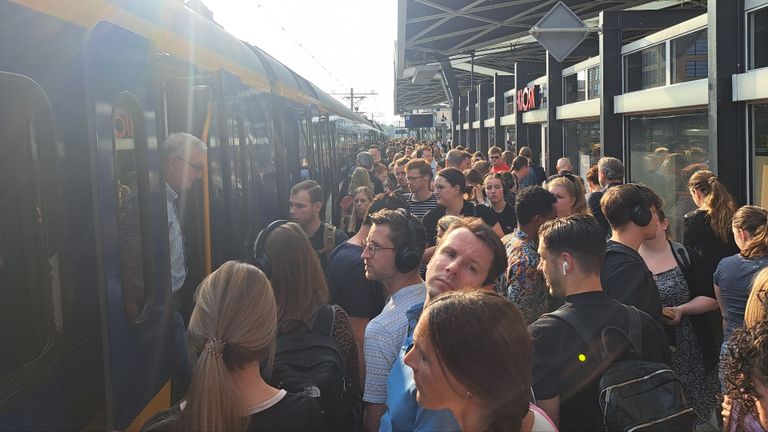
point(198, 168)
point(372, 248)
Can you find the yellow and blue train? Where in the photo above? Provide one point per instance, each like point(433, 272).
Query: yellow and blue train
point(89, 89)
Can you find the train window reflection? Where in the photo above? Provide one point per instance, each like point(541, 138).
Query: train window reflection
point(25, 270)
point(130, 141)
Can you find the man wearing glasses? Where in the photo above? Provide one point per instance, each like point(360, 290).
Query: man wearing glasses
point(419, 176)
point(184, 163)
point(497, 163)
point(392, 254)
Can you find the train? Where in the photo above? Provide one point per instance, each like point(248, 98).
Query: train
point(89, 89)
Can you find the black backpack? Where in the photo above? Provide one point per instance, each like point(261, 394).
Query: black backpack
point(310, 363)
point(636, 395)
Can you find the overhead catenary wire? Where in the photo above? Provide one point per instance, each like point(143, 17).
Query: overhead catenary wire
point(301, 46)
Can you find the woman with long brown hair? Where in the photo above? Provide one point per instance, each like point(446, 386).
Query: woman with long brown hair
point(300, 287)
point(232, 329)
point(486, 383)
point(707, 230)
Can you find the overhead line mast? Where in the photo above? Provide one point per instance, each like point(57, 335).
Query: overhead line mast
point(352, 97)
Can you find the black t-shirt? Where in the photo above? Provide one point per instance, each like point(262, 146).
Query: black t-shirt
point(626, 278)
point(507, 218)
point(430, 219)
point(294, 412)
point(317, 242)
point(593, 202)
point(558, 369)
point(350, 289)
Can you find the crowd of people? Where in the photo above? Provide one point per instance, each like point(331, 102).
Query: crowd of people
point(474, 292)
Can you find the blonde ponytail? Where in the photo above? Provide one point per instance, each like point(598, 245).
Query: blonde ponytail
point(718, 202)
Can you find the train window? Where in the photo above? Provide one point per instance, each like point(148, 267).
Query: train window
point(29, 283)
point(264, 170)
point(130, 143)
point(242, 202)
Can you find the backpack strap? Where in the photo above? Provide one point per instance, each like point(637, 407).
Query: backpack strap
point(322, 322)
point(577, 324)
point(329, 237)
point(635, 329)
point(681, 255)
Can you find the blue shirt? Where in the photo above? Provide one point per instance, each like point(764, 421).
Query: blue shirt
point(734, 276)
point(175, 240)
point(383, 337)
point(403, 412)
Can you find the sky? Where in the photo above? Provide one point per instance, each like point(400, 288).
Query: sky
point(335, 44)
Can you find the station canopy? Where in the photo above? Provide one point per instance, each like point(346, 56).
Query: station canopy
point(494, 31)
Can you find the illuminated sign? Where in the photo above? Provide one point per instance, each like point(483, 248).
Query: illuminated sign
point(529, 98)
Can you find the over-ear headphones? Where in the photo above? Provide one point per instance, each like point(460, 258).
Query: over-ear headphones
point(260, 258)
point(641, 213)
point(407, 258)
point(565, 267)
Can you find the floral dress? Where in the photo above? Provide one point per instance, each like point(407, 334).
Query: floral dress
point(700, 385)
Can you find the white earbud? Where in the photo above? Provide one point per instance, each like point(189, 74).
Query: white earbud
point(565, 267)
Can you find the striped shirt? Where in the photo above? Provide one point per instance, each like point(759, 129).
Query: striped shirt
point(384, 336)
point(420, 208)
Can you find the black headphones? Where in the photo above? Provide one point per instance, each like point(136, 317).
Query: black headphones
point(407, 258)
point(641, 215)
point(260, 258)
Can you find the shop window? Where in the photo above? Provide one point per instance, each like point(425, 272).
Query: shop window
point(758, 38)
point(574, 87)
point(689, 57)
point(645, 69)
point(593, 82)
point(664, 151)
point(759, 131)
point(130, 144)
point(582, 143)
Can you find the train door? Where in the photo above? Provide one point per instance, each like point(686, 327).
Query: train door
point(189, 106)
point(30, 298)
point(131, 226)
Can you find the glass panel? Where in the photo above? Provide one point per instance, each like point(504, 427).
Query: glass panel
point(582, 143)
point(758, 39)
point(593, 81)
point(689, 57)
point(759, 120)
point(24, 270)
point(127, 128)
point(509, 104)
point(664, 153)
point(645, 69)
point(575, 87)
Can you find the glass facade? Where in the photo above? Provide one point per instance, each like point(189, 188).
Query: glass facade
point(646, 68)
point(582, 144)
point(757, 23)
point(689, 57)
point(664, 151)
point(759, 136)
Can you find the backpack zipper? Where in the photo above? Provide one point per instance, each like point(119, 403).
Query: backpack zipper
point(609, 389)
point(686, 411)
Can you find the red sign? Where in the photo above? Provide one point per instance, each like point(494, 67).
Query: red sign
point(528, 98)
